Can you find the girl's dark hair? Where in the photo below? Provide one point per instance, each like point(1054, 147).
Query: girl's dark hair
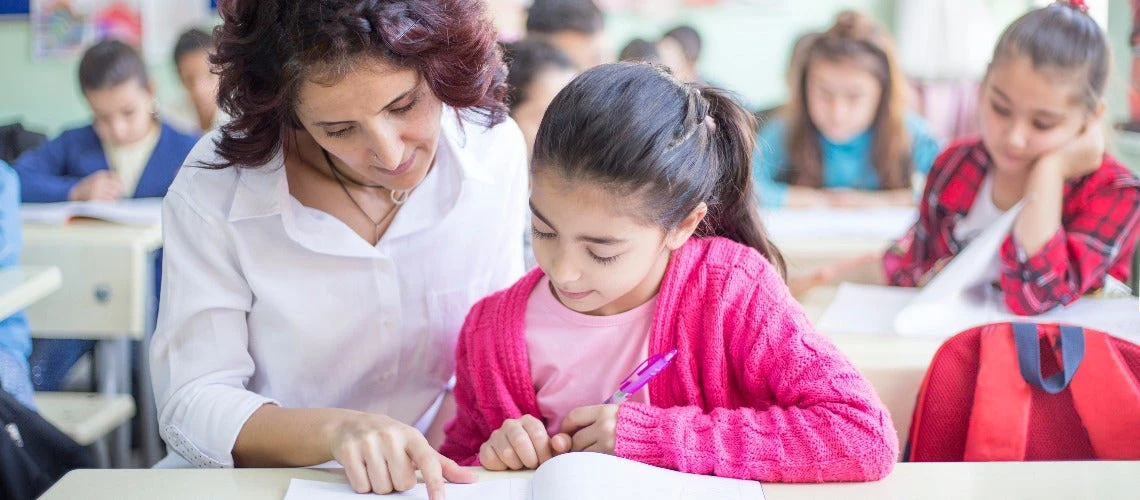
point(1061, 38)
point(857, 38)
point(109, 63)
point(267, 48)
point(637, 130)
point(526, 60)
point(192, 40)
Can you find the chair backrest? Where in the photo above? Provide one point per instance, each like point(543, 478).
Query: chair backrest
point(1011, 391)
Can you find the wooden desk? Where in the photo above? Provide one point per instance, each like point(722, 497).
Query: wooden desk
point(23, 286)
point(951, 481)
point(108, 295)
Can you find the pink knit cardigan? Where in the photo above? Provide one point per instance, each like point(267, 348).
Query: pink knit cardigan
point(754, 392)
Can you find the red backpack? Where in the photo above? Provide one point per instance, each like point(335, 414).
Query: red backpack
point(984, 397)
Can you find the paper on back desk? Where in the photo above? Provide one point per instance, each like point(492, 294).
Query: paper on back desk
point(878, 223)
point(962, 291)
point(872, 309)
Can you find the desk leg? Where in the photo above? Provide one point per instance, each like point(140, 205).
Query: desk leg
point(153, 448)
point(113, 373)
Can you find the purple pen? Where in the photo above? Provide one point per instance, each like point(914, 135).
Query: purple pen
point(641, 376)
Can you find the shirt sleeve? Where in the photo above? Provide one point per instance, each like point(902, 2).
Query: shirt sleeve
point(1076, 259)
point(924, 147)
point(909, 261)
point(768, 161)
point(517, 192)
point(43, 172)
point(200, 356)
point(821, 420)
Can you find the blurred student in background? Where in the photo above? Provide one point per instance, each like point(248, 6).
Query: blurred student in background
point(845, 139)
point(128, 152)
point(199, 112)
point(680, 50)
point(576, 27)
point(640, 50)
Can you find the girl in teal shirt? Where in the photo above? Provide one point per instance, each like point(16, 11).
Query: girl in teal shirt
point(845, 139)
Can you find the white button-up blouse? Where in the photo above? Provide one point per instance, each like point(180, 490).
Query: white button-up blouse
point(265, 300)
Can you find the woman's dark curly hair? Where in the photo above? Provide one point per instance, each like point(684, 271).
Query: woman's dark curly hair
point(267, 48)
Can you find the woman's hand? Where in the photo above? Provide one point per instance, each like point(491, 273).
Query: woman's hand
point(521, 444)
point(592, 428)
point(381, 455)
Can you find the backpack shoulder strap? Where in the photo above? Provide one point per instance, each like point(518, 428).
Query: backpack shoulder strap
point(999, 419)
point(1106, 396)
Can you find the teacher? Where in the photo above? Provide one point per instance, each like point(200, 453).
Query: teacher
point(324, 247)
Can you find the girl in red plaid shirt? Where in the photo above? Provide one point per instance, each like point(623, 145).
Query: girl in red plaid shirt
point(1043, 142)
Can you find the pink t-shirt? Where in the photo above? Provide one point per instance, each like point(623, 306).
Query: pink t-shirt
point(579, 360)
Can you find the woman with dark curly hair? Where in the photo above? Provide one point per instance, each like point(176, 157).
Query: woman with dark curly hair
point(323, 248)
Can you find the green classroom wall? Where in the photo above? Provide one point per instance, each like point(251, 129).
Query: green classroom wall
point(746, 50)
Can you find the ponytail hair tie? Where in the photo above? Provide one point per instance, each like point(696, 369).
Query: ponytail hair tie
point(710, 123)
point(1077, 5)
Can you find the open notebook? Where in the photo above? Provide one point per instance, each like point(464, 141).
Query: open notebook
point(142, 211)
point(567, 477)
point(960, 297)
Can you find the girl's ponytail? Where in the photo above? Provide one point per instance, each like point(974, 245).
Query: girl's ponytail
point(733, 213)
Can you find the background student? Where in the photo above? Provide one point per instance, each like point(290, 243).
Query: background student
point(576, 27)
point(536, 71)
point(640, 50)
point(128, 151)
point(199, 111)
point(845, 138)
point(1043, 141)
point(680, 48)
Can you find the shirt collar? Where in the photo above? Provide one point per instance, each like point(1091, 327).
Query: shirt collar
point(264, 192)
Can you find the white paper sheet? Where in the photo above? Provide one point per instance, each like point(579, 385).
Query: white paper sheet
point(871, 310)
point(505, 489)
point(963, 288)
point(604, 477)
point(878, 224)
point(572, 476)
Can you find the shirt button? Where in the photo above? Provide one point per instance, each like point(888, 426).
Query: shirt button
point(386, 376)
point(390, 324)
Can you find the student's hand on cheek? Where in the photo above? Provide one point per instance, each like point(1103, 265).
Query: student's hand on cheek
point(1079, 157)
point(592, 428)
point(103, 185)
point(521, 444)
point(381, 455)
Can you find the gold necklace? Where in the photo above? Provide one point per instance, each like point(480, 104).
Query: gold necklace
point(398, 197)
